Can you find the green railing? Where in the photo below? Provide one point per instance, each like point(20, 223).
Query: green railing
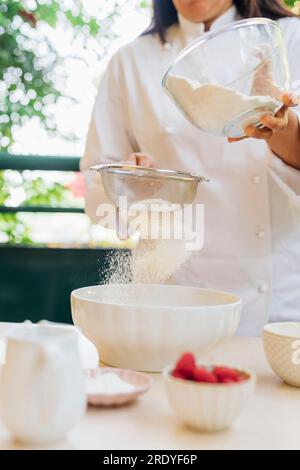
point(43, 163)
point(36, 281)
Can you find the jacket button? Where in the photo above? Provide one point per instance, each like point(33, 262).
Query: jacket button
point(167, 46)
point(256, 179)
point(262, 288)
point(261, 234)
point(168, 130)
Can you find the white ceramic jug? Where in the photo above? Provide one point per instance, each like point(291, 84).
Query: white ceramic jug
point(42, 385)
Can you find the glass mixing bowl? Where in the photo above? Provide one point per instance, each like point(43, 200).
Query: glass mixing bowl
point(229, 78)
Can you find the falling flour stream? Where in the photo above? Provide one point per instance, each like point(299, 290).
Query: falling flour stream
point(158, 254)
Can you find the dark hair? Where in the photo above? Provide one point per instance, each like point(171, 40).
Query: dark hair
point(165, 13)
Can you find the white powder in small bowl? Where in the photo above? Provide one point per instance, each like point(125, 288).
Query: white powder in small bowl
point(107, 383)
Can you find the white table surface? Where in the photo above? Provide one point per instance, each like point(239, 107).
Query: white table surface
point(270, 421)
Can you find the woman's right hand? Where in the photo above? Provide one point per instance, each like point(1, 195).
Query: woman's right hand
point(140, 159)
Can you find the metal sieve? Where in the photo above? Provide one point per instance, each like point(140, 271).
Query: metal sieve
point(140, 183)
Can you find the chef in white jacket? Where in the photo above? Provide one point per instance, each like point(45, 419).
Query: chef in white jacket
point(252, 204)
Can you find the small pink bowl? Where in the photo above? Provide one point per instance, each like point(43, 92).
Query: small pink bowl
point(141, 383)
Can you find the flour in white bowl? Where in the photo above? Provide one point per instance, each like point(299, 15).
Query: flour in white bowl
point(211, 106)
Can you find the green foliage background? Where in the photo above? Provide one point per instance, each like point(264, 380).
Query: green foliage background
point(290, 3)
point(30, 81)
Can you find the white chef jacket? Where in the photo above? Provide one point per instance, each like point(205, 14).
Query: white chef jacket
point(252, 204)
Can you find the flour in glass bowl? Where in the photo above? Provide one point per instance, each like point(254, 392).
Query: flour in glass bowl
point(212, 107)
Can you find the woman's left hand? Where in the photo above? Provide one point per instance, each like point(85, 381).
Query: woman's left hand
point(271, 124)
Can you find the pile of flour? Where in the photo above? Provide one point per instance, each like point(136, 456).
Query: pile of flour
point(211, 106)
point(158, 254)
point(107, 383)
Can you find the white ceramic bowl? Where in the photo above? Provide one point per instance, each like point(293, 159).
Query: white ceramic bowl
point(282, 348)
point(144, 327)
point(208, 407)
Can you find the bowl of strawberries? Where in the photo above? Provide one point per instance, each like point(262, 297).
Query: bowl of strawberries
point(207, 397)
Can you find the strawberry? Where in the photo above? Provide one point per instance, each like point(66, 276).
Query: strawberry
point(186, 365)
point(178, 375)
point(223, 373)
point(204, 375)
point(226, 380)
point(186, 369)
point(242, 377)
